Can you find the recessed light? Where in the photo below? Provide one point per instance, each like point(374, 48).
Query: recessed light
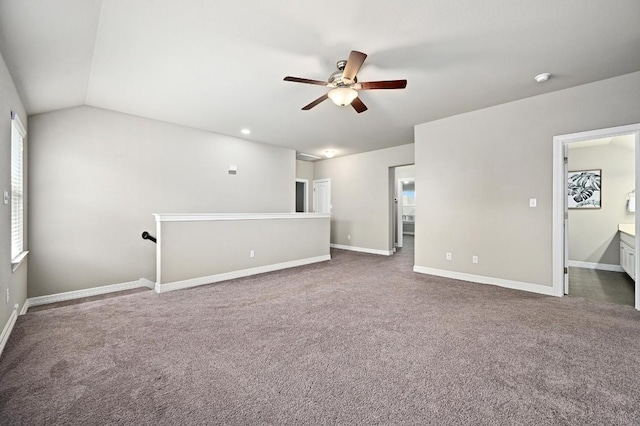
point(541, 78)
point(245, 131)
point(329, 153)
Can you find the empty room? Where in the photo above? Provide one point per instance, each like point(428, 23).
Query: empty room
point(245, 213)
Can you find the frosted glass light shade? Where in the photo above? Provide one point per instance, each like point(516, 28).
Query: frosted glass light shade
point(342, 96)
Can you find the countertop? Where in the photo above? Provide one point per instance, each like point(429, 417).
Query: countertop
point(627, 228)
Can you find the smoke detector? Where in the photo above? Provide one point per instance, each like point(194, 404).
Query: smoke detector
point(541, 78)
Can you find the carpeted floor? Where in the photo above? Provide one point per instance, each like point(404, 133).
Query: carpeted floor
point(357, 340)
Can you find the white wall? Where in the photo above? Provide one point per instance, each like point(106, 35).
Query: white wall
point(476, 172)
point(593, 233)
point(360, 194)
point(16, 281)
point(97, 176)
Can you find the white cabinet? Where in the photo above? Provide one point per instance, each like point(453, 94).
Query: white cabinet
point(628, 254)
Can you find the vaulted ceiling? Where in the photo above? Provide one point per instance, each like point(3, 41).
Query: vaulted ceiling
point(219, 65)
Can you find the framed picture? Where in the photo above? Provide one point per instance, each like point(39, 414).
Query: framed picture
point(584, 188)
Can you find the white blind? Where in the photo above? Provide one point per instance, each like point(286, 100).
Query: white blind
point(18, 133)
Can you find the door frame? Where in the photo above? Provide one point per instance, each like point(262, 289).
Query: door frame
point(399, 229)
point(315, 197)
point(559, 253)
point(306, 194)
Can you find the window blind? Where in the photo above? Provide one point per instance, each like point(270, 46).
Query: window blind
point(18, 134)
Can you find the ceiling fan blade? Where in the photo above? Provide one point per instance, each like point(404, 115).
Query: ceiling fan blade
point(316, 102)
point(358, 105)
point(305, 80)
point(373, 85)
point(355, 61)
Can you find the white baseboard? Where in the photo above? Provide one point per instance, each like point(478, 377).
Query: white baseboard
point(362, 249)
point(25, 306)
point(95, 291)
point(515, 285)
point(194, 282)
point(599, 266)
point(8, 328)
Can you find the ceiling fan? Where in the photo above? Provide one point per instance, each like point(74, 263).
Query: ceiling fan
point(344, 84)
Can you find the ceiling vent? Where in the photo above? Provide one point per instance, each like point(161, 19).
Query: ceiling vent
point(306, 157)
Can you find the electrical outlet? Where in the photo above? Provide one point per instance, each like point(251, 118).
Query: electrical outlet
point(448, 256)
point(474, 259)
point(533, 202)
point(349, 237)
point(252, 253)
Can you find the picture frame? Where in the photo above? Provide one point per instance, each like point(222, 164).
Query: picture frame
point(584, 189)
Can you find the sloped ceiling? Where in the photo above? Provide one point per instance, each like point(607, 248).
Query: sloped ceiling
point(219, 65)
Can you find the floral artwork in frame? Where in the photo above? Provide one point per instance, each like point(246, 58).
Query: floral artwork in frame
point(583, 189)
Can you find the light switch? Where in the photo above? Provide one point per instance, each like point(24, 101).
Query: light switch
point(5, 197)
point(533, 202)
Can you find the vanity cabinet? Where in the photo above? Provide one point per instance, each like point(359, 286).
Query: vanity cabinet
point(628, 254)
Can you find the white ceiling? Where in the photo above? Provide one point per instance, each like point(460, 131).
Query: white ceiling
point(219, 65)
point(624, 141)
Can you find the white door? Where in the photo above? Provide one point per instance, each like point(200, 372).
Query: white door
point(322, 196)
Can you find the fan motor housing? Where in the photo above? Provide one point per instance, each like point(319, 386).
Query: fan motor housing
point(336, 76)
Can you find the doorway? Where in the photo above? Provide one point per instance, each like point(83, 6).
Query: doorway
point(600, 185)
point(302, 195)
point(560, 249)
point(322, 196)
point(406, 216)
point(402, 183)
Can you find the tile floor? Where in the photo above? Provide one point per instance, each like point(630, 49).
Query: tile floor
point(613, 287)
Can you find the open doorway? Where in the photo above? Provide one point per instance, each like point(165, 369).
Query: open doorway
point(601, 219)
point(561, 202)
point(302, 195)
point(403, 206)
point(406, 209)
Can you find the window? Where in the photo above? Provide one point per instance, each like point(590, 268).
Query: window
point(18, 134)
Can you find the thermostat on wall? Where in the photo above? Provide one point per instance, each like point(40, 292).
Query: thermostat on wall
point(233, 170)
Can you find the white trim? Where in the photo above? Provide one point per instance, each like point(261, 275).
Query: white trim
point(158, 252)
point(399, 205)
point(8, 328)
point(362, 249)
point(25, 307)
point(195, 217)
point(515, 285)
point(15, 263)
point(598, 266)
point(95, 291)
point(559, 194)
point(195, 282)
point(18, 123)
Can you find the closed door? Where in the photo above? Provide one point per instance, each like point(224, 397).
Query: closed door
point(322, 196)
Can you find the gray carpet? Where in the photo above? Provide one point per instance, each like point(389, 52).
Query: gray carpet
point(357, 340)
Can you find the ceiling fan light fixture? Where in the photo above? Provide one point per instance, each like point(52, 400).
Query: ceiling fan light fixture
point(342, 96)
